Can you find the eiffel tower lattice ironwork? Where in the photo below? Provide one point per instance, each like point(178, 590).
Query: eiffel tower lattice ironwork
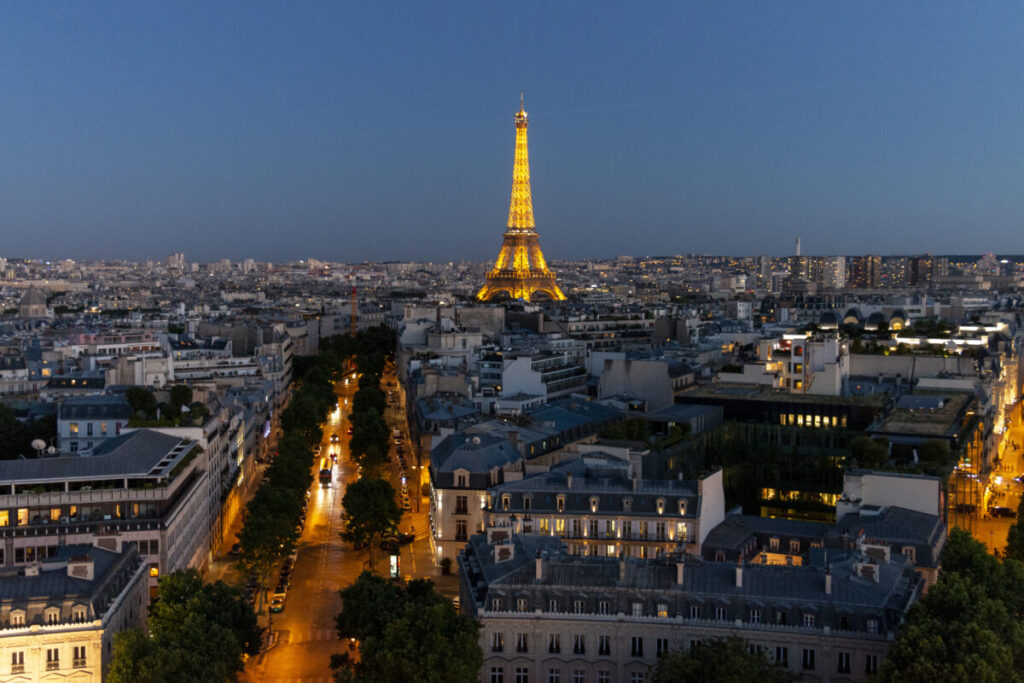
point(520, 269)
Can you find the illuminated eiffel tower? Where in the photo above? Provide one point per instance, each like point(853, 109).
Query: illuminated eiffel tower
point(520, 270)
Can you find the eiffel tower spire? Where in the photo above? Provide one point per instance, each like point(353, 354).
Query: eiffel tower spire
point(520, 269)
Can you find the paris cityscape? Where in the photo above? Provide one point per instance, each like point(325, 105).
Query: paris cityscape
point(674, 344)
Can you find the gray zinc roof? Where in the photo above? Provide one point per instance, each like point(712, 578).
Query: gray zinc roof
point(95, 408)
point(472, 452)
point(135, 454)
point(53, 584)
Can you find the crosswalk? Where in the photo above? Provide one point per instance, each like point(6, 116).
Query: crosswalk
point(314, 636)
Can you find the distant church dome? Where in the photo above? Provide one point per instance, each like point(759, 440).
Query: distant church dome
point(33, 304)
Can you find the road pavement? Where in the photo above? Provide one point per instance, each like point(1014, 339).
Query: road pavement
point(303, 636)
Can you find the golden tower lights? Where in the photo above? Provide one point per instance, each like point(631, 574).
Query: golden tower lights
point(520, 269)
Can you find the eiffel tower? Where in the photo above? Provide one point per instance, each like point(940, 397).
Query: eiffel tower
point(520, 270)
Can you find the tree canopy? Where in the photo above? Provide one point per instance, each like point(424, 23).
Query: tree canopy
point(16, 436)
point(632, 429)
point(197, 632)
point(968, 627)
point(719, 661)
point(407, 633)
point(370, 511)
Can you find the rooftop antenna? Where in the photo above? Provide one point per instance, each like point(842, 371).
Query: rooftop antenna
point(521, 100)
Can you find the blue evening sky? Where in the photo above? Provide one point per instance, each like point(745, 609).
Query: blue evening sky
point(383, 130)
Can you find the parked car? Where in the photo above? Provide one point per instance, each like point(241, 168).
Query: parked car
point(277, 604)
point(1000, 511)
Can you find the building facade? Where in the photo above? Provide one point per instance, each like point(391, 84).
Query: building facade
point(141, 489)
point(550, 616)
point(60, 615)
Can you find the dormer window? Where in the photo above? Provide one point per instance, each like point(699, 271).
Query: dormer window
point(682, 508)
point(593, 504)
point(505, 501)
point(627, 504)
point(461, 481)
point(660, 505)
point(51, 616)
point(78, 614)
point(560, 504)
point(794, 547)
point(527, 502)
point(17, 617)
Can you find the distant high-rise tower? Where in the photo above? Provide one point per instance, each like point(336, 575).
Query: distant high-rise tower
point(520, 269)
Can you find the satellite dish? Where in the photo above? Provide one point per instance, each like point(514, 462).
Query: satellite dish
point(38, 444)
point(51, 450)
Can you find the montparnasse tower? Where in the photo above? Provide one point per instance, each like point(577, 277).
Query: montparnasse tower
point(520, 270)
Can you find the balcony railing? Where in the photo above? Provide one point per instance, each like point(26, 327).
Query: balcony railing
point(17, 668)
point(53, 665)
point(78, 663)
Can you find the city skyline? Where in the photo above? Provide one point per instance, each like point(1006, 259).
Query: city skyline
point(283, 133)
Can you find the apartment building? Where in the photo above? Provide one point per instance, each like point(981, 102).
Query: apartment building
point(86, 421)
point(598, 507)
point(462, 468)
point(142, 489)
point(548, 615)
point(60, 615)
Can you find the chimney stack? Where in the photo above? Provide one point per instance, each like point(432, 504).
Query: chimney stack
point(622, 567)
point(568, 480)
point(680, 567)
point(538, 564)
point(828, 580)
point(636, 481)
point(739, 572)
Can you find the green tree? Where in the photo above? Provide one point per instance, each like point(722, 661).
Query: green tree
point(197, 632)
point(369, 604)
point(268, 532)
point(632, 429)
point(1015, 536)
point(968, 627)
point(142, 401)
point(935, 454)
point(370, 511)
point(868, 452)
point(719, 661)
point(414, 635)
point(181, 395)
